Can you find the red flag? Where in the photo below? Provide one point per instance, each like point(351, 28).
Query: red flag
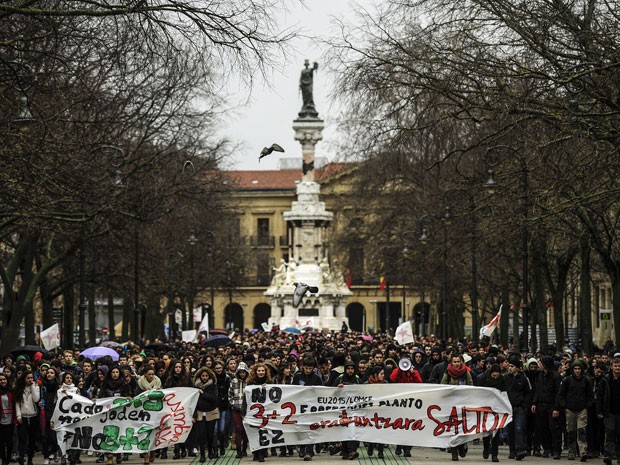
point(349, 279)
point(382, 283)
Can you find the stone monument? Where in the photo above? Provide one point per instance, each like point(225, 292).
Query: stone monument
point(307, 241)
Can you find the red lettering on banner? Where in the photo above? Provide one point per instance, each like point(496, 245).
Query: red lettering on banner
point(377, 421)
point(455, 420)
point(171, 433)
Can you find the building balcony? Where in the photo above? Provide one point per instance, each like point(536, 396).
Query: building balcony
point(263, 241)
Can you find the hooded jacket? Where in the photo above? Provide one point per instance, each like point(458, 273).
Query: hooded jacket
point(575, 394)
point(236, 397)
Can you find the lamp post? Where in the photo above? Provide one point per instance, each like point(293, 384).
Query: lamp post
point(474, 247)
point(491, 185)
point(424, 235)
point(82, 304)
point(192, 241)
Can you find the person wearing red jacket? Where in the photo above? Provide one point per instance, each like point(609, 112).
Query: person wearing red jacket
point(405, 376)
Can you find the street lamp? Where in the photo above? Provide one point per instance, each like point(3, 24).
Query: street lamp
point(474, 246)
point(192, 241)
point(491, 185)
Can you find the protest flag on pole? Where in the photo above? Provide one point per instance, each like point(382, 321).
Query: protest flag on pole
point(50, 337)
point(204, 325)
point(494, 323)
point(404, 333)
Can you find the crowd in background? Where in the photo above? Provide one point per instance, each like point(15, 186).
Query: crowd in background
point(563, 404)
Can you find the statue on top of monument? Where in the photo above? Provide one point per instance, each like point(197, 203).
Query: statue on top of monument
point(308, 110)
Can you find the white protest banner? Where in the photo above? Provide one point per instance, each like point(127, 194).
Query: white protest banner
point(405, 414)
point(188, 335)
point(149, 421)
point(50, 337)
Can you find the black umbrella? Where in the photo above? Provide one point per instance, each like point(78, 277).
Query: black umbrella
point(29, 350)
point(217, 340)
point(155, 346)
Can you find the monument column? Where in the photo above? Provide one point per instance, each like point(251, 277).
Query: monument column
point(308, 132)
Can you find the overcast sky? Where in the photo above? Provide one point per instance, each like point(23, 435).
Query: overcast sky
point(272, 108)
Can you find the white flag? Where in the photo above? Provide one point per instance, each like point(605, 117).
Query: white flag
point(189, 335)
point(204, 324)
point(50, 337)
point(404, 333)
point(494, 323)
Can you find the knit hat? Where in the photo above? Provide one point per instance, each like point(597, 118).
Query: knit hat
point(532, 360)
point(37, 356)
point(242, 367)
point(21, 358)
point(515, 360)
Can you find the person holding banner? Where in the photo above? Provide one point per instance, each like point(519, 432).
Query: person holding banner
point(349, 448)
point(493, 379)
point(405, 373)
point(113, 385)
point(238, 405)
point(8, 419)
point(377, 376)
point(457, 374)
point(307, 377)
point(259, 376)
point(206, 413)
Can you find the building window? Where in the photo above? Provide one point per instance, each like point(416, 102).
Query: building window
point(262, 231)
point(263, 270)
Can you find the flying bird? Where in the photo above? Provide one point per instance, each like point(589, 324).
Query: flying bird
point(301, 290)
point(268, 150)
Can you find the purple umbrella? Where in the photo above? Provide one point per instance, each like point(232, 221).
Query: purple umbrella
point(97, 352)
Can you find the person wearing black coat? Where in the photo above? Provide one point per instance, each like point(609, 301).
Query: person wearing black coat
point(493, 379)
point(224, 423)
point(548, 428)
point(519, 393)
point(206, 413)
point(575, 397)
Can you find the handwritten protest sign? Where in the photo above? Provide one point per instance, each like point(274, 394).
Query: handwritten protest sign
point(405, 414)
point(150, 420)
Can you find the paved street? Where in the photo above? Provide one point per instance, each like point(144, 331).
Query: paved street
point(420, 455)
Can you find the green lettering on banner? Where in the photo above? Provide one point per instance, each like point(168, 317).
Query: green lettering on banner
point(110, 438)
point(128, 440)
point(145, 443)
point(155, 402)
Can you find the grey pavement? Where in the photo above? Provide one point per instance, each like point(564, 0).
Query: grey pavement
point(420, 455)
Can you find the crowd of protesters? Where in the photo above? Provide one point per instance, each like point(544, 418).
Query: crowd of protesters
point(564, 403)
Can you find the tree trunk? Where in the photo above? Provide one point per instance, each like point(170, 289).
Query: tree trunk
point(585, 298)
point(127, 307)
point(111, 322)
point(540, 310)
point(92, 320)
point(67, 321)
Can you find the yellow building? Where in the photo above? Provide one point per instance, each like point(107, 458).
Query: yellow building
point(261, 198)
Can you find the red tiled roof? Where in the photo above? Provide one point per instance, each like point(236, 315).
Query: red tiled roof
point(278, 179)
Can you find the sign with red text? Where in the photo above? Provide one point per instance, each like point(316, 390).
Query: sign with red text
point(149, 421)
point(428, 415)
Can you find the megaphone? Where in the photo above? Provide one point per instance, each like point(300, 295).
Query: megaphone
point(404, 364)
